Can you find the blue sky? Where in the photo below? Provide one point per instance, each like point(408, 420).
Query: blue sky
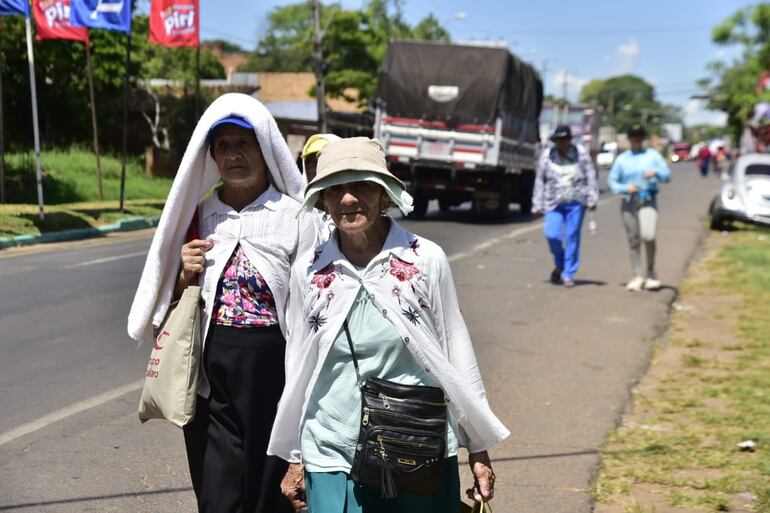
point(667, 42)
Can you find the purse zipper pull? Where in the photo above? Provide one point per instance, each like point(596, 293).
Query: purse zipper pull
point(382, 447)
point(384, 400)
point(365, 420)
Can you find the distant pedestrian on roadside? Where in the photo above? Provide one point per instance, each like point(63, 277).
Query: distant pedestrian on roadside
point(636, 174)
point(249, 231)
point(565, 186)
point(703, 160)
point(310, 152)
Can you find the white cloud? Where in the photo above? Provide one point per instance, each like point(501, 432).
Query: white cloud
point(695, 113)
point(574, 83)
point(625, 58)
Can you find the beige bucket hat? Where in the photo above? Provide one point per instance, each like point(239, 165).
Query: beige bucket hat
point(353, 160)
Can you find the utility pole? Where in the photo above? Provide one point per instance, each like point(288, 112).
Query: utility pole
point(318, 56)
point(565, 108)
point(612, 113)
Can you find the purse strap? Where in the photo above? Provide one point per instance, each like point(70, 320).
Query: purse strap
point(352, 353)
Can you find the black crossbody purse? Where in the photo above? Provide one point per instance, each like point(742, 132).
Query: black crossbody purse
point(402, 439)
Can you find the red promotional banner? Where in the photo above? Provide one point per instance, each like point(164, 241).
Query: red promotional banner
point(52, 21)
point(174, 22)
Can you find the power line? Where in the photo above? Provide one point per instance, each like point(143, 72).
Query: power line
point(589, 32)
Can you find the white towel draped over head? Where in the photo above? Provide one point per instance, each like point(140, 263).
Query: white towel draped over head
point(196, 174)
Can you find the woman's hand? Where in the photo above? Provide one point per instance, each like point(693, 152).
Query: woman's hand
point(293, 486)
point(650, 173)
point(193, 257)
point(483, 477)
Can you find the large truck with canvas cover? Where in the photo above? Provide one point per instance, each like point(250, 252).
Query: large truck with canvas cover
point(460, 123)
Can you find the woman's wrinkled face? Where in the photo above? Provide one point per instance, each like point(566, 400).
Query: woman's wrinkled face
point(238, 156)
point(356, 206)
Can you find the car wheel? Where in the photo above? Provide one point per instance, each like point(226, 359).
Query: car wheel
point(718, 223)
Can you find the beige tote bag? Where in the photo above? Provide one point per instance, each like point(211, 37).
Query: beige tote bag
point(171, 380)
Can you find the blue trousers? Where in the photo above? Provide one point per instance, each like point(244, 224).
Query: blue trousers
point(562, 229)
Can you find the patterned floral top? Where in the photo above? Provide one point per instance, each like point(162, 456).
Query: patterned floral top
point(243, 298)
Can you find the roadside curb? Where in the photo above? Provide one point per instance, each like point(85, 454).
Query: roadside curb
point(125, 225)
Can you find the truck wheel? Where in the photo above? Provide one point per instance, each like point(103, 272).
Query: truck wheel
point(526, 187)
point(526, 206)
point(503, 208)
point(420, 205)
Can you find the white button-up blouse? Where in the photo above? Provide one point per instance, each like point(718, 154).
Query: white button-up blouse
point(411, 283)
point(271, 234)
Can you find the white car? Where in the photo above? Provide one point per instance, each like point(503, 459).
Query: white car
point(746, 194)
point(606, 155)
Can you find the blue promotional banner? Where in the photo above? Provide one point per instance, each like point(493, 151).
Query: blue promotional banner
point(10, 7)
point(101, 14)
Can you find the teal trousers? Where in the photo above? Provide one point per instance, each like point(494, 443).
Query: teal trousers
point(335, 492)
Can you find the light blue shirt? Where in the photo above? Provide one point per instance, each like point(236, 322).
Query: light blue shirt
point(333, 415)
point(629, 168)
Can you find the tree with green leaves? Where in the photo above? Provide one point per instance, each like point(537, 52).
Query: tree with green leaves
point(733, 88)
point(355, 42)
point(626, 100)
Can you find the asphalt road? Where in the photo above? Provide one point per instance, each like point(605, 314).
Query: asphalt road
point(558, 363)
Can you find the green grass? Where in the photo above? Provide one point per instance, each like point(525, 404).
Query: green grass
point(708, 404)
point(70, 192)
point(69, 176)
point(24, 220)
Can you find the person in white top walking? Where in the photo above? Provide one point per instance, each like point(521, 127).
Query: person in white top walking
point(396, 293)
point(565, 186)
point(250, 231)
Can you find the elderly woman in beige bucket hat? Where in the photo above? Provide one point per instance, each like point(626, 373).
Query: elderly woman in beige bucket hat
point(380, 310)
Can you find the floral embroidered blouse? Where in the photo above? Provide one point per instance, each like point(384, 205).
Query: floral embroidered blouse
point(410, 283)
point(243, 298)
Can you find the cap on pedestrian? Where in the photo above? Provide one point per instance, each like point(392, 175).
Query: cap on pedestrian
point(636, 130)
point(316, 143)
point(233, 120)
point(355, 159)
point(562, 132)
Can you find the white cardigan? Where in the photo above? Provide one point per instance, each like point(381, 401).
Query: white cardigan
point(411, 283)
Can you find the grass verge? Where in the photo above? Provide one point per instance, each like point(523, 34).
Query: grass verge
point(24, 220)
point(69, 176)
point(707, 390)
point(70, 192)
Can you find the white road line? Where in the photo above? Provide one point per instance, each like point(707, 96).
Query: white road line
point(482, 246)
point(106, 259)
point(68, 411)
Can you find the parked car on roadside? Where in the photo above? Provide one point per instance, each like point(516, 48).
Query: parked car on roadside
point(680, 152)
point(745, 196)
point(606, 156)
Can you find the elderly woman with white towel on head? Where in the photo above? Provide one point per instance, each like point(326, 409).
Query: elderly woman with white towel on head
point(249, 232)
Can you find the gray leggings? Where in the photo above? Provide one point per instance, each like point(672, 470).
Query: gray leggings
point(641, 221)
